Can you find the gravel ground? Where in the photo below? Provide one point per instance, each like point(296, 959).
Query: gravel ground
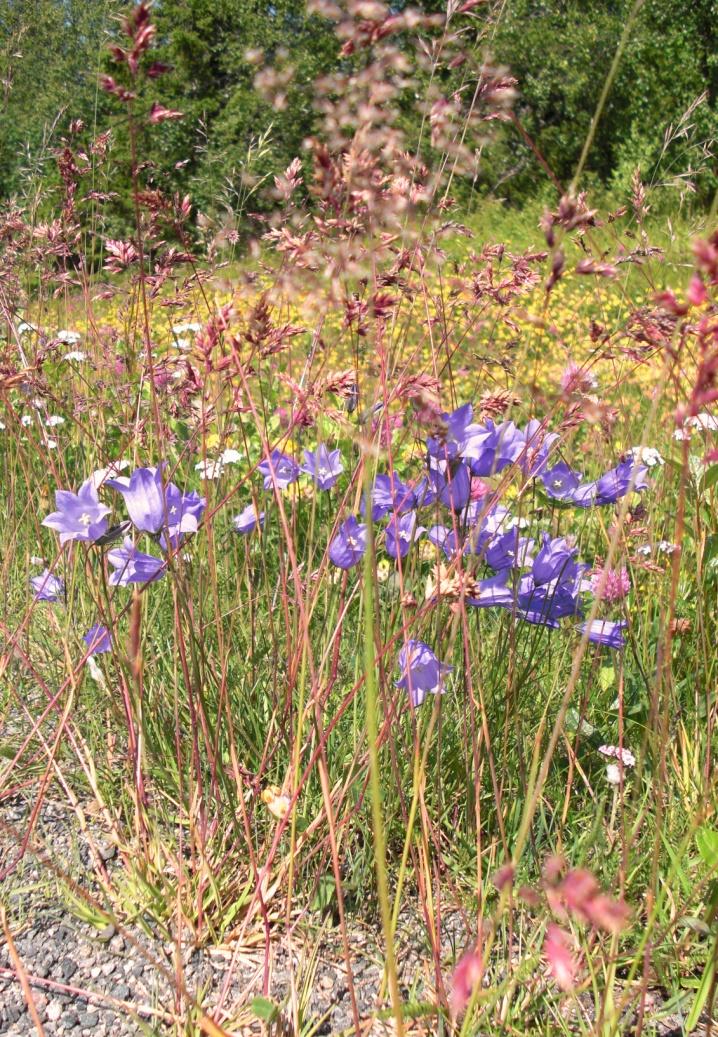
point(85, 980)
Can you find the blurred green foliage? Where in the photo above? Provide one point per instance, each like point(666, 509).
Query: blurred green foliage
point(560, 51)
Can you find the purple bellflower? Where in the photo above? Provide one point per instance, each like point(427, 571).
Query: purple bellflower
point(448, 444)
point(445, 539)
point(79, 516)
point(452, 483)
point(98, 639)
point(401, 532)
point(279, 467)
point(47, 587)
point(324, 466)
point(493, 592)
point(389, 493)
point(348, 547)
point(508, 551)
point(248, 520)
point(155, 507)
point(562, 483)
point(421, 672)
point(132, 566)
point(606, 632)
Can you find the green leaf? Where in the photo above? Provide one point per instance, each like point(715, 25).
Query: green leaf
point(264, 1008)
point(326, 893)
point(606, 677)
point(707, 843)
point(702, 992)
point(710, 478)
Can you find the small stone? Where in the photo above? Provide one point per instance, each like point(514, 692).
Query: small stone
point(54, 1011)
point(121, 991)
point(88, 1020)
point(68, 968)
point(106, 934)
point(107, 851)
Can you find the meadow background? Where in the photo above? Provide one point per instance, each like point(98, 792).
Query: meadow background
point(359, 545)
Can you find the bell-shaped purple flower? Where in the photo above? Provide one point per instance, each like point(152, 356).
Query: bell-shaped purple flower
point(616, 483)
point(555, 560)
point(561, 482)
point(155, 507)
point(280, 468)
point(606, 632)
point(490, 448)
point(132, 566)
point(248, 520)
point(184, 512)
point(98, 639)
point(447, 445)
point(493, 592)
point(508, 551)
point(144, 498)
point(348, 547)
point(47, 587)
point(390, 494)
point(401, 532)
point(536, 447)
point(421, 672)
point(324, 466)
point(445, 539)
point(452, 482)
point(79, 516)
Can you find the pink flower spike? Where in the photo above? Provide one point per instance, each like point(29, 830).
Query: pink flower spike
point(561, 961)
point(467, 977)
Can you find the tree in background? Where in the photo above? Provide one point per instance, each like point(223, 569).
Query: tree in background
point(50, 51)
point(232, 135)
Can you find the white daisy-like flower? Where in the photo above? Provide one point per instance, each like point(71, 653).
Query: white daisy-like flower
point(23, 328)
point(647, 455)
point(68, 338)
point(209, 469)
point(54, 420)
point(665, 547)
point(51, 444)
point(230, 456)
point(75, 354)
point(645, 550)
point(681, 434)
point(624, 756)
point(184, 344)
point(26, 420)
